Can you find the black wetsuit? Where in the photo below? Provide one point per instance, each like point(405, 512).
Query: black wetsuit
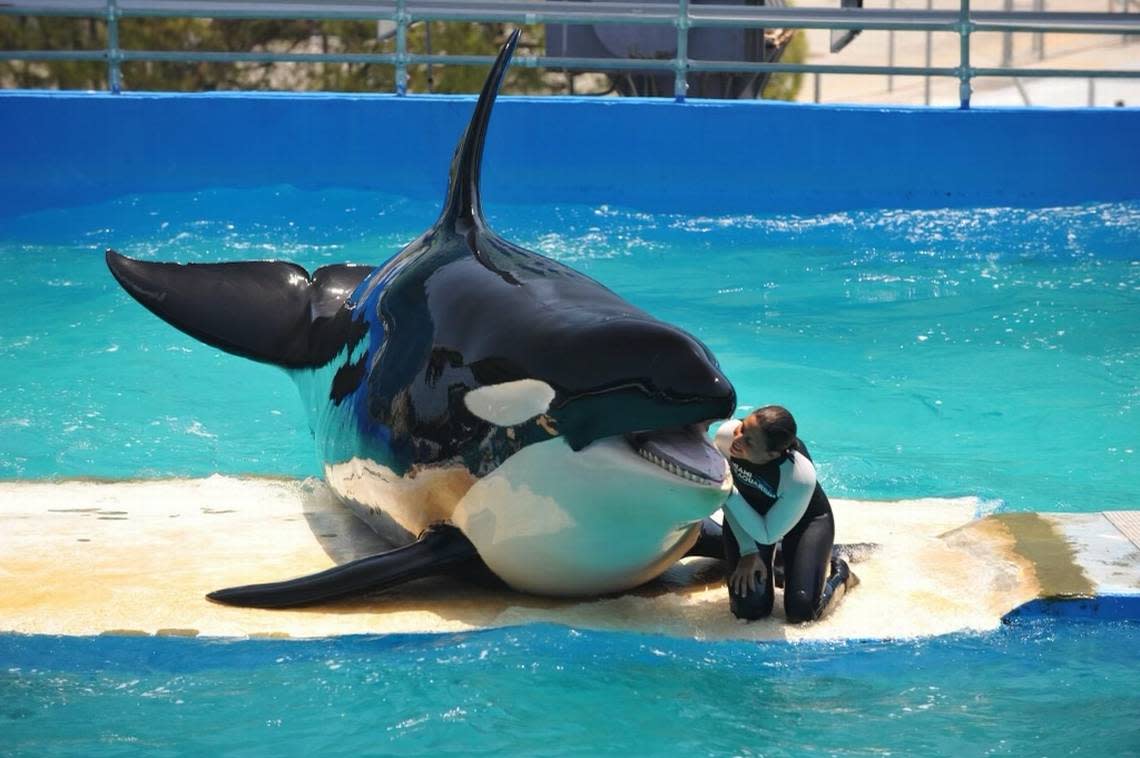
point(806, 547)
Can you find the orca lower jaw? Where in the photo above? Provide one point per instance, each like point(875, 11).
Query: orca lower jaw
point(683, 451)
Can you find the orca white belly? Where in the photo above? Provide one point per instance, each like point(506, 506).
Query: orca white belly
point(556, 522)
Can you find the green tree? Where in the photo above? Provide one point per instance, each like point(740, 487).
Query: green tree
point(52, 33)
point(437, 38)
point(268, 35)
point(289, 36)
point(221, 35)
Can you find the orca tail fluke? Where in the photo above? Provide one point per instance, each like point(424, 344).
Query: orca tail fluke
point(438, 550)
point(268, 311)
point(463, 188)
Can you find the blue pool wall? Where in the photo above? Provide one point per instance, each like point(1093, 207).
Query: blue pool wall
point(62, 149)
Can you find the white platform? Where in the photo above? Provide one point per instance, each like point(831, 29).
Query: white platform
point(83, 558)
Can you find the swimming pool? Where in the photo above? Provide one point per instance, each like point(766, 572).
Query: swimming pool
point(928, 350)
point(987, 352)
point(1046, 688)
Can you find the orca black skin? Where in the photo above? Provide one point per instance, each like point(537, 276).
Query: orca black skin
point(474, 384)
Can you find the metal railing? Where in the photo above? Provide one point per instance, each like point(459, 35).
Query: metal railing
point(682, 15)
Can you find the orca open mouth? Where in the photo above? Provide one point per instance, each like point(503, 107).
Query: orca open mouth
point(683, 451)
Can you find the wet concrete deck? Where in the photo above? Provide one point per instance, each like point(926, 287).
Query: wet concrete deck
point(85, 558)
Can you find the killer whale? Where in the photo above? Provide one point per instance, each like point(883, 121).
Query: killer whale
point(474, 402)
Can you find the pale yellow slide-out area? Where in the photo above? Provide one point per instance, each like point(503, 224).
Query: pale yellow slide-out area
point(87, 558)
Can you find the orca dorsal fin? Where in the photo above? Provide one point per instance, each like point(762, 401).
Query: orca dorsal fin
point(268, 311)
point(463, 188)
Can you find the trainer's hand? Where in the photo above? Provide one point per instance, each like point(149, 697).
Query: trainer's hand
point(749, 573)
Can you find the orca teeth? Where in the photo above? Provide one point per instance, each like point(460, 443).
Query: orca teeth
point(671, 467)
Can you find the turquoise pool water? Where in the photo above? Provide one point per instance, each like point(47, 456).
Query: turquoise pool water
point(988, 352)
point(1039, 688)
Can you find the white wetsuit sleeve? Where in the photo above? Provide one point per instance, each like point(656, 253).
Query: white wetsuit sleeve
point(797, 483)
point(734, 505)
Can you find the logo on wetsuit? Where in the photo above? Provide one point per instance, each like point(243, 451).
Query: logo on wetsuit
point(746, 476)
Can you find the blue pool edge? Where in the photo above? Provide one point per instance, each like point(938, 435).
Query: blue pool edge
point(1096, 607)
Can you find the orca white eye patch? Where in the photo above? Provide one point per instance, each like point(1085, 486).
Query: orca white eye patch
point(510, 403)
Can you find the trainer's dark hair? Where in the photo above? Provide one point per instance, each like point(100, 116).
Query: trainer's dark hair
point(778, 426)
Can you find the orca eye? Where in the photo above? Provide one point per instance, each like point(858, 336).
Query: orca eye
point(510, 403)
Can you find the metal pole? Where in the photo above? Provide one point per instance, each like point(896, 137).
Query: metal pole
point(816, 88)
point(1039, 38)
point(680, 81)
point(427, 47)
point(565, 71)
point(929, 57)
point(891, 55)
point(1092, 92)
point(114, 73)
point(1007, 41)
point(964, 66)
point(401, 48)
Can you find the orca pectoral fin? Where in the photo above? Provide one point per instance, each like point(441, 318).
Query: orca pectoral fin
point(438, 550)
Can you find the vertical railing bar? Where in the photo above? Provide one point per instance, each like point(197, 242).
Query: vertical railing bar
point(401, 48)
point(681, 62)
point(891, 54)
point(114, 72)
point(964, 71)
point(1039, 38)
point(929, 57)
point(565, 47)
point(427, 49)
point(1007, 41)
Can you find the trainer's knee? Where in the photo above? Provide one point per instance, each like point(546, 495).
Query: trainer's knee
point(799, 606)
point(751, 607)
